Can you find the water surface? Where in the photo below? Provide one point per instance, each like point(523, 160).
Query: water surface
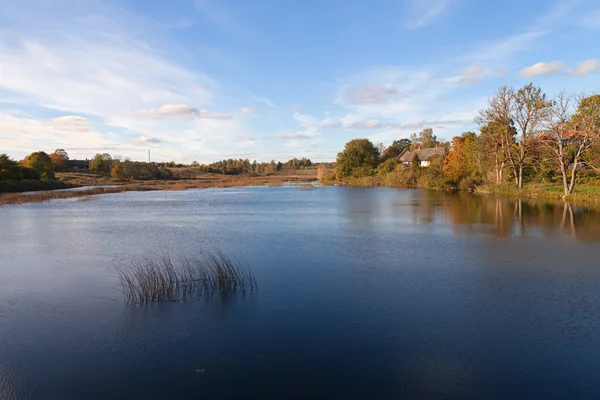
point(363, 293)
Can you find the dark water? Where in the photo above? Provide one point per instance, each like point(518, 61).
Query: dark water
point(363, 294)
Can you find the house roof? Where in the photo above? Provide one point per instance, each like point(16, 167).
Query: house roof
point(423, 154)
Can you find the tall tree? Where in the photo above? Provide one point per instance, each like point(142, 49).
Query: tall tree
point(359, 158)
point(530, 108)
point(571, 134)
point(497, 130)
point(425, 139)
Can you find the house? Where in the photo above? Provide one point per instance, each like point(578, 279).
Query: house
point(424, 155)
point(78, 164)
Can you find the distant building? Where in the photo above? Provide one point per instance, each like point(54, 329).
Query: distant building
point(78, 164)
point(424, 155)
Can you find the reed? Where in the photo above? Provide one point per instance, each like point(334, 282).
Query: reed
point(160, 279)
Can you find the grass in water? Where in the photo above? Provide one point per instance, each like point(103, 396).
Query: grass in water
point(159, 279)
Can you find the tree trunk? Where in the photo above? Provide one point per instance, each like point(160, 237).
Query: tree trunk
point(573, 177)
point(563, 171)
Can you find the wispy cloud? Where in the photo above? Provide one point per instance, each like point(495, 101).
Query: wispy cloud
point(222, 17)
point(542, 68)
point(423, 12)
point(145, 140)
point(586, 67)
point(591, 20)
point(370, 94)
point(371, 124)
point(179, 111)
point(119, 72)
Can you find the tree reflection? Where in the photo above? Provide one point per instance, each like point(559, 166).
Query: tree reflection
point(503, 217)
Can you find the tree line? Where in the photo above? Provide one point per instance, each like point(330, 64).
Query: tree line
point(240, 166)
point(42, 166)
point(524, 136)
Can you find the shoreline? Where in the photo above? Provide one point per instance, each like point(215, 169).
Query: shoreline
point(585, 195)
point(142, 186)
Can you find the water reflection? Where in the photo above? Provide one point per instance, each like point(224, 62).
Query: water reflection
point(467, 213)
point(504, 217)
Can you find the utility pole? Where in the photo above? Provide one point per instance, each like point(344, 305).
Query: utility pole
point(148, 156)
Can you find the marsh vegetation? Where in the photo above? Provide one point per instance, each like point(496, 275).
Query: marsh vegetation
point(159, 278)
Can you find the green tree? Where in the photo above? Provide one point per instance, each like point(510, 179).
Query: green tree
point(425, 139)
point(41, 162)
point(7, 168)
point(101, 163)
point(530, 108)
point(359, 158)
point(395, 149)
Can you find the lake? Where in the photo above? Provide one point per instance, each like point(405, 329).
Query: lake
point(363, 293)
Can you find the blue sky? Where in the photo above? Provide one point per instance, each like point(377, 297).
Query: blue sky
point(273, 79)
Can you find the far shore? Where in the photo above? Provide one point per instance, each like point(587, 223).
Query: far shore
point(99, 184)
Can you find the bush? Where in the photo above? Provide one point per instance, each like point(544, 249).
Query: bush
point(470, 183)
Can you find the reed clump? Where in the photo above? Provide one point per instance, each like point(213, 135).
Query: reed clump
point(160, 279)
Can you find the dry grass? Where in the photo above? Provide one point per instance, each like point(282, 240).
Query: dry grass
point(159, 279)
point(38, 197)
point(201, 182)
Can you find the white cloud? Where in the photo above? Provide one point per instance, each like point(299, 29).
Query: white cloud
point(422, 12)
point(24, 134)
point(586, 67)
point(473, 70)
point(247, 110)
point(94, 64)
point(542, 68)
point(180, 111)
point(69, 123)
point(470, 75)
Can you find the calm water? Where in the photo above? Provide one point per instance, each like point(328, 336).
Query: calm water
point(363, 293)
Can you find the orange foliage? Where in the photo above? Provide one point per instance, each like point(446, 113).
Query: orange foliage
point(456, 165)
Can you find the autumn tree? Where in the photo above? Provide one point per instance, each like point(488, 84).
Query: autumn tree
point(359, 158)
point(41, 162)
point(523, 111)
point(571, 134)
point(117, 171)
point(59, 159)
point(456, 167)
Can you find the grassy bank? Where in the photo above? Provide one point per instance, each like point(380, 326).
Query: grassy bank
point(22, 198)
point(32, 186)
point(584, 194)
